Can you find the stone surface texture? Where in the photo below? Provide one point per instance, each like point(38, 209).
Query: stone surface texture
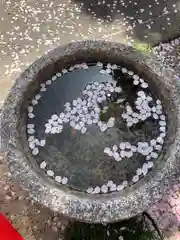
point(78, 205)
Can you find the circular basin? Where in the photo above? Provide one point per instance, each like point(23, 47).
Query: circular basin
point(91, 130)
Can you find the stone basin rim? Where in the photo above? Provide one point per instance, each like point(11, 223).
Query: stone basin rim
point(104, 208)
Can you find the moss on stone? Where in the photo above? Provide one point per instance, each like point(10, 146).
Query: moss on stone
point(145, 48)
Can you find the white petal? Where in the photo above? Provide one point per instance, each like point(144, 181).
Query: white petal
point(110, 153)
point(37, 97)
point(135, 178)
point(54, 117)
point(153, 142)
point(106, 150)
point(104, 188)
point(113, 188)
point(75, 103)
point(30, 109)
point(97, 189)
point(115, 148)
point(163, 134)
point(89, 190)
point(154, 155)
point(30, 130)
point(35, 151)
point(139, 171)
point(150, 164)
point(102, 71)
point(129, 154)
point(99, 64)
point(50, 173)
point(122, 154)
point(34, 102)
point(118, 89)
point(160, 140)
point(124, 70)
point(58, 179)
point(43, 142)
point(55, 76)
point(64, 180)
point(64, 71)
point(108, 70)
point(110, 124)
point(53, 130)
point(43, 89)
point(110, 183)
point(48, 82)
point(162, 123)
point(114, 66)
point(144, 85)
point(125, 183)
point(31, 138)
point(31, 145)
point(120, 187)
point(30, 125)
point(162, 117)
point(48, 130)
point(116, 156)
point(71, 69)
point(135, 77)
point(130, 73)
point(43, 165)
point(42, 85)
point(135, 82)
point(58, 74)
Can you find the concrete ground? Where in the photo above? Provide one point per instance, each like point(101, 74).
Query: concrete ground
point(30, 28)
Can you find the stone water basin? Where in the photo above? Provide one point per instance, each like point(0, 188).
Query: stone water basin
point(91, 130)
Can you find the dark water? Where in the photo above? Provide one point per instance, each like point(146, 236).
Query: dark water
point(81, 157)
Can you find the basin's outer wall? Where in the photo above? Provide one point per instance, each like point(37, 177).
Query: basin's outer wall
point(102, 208)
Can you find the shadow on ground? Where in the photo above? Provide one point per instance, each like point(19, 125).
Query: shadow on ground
point(140, 227)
